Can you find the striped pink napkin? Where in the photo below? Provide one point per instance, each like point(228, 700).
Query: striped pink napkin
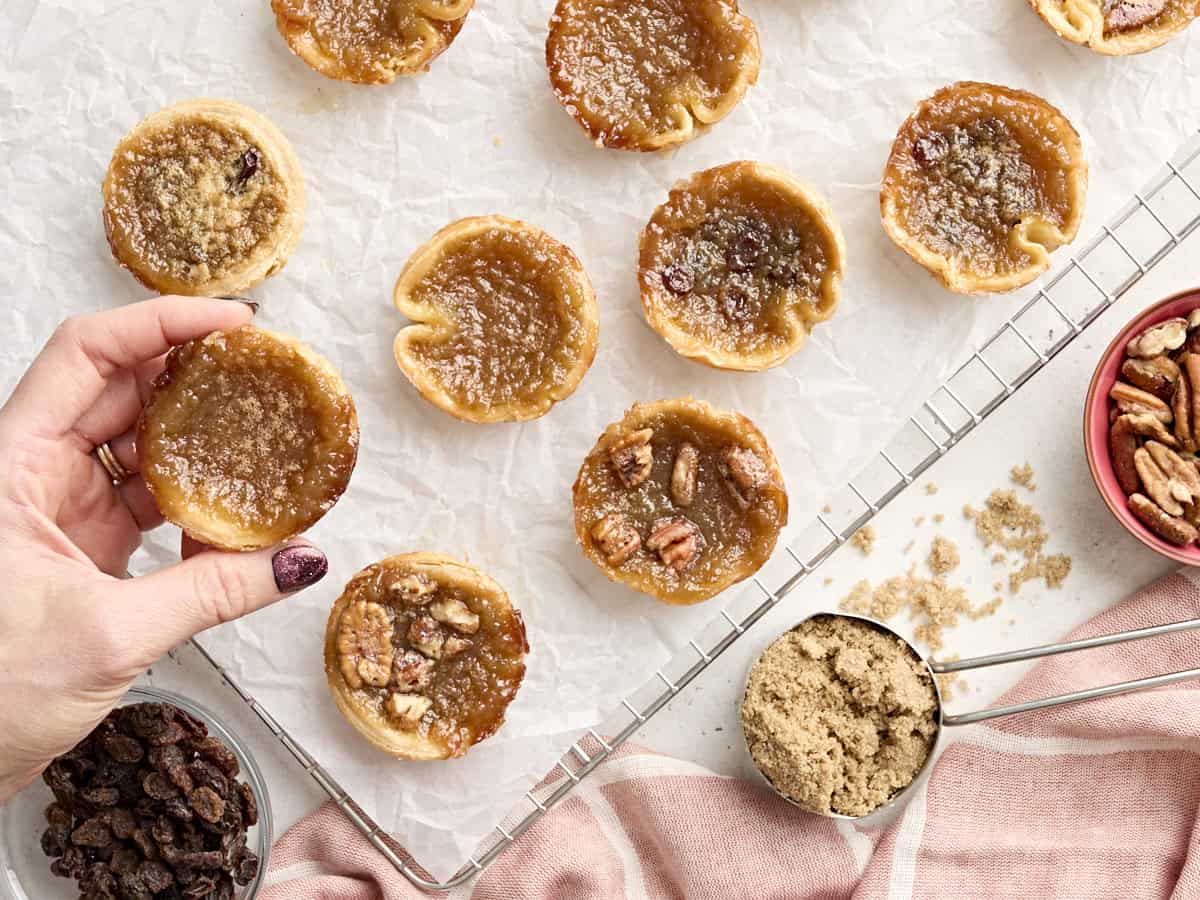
point(1092, 801)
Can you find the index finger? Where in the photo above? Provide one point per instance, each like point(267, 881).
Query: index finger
point(70, 373)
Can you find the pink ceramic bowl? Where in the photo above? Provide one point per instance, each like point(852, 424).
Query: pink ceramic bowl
point(1095, 423)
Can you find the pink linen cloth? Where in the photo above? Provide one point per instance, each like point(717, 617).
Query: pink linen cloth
point(1095, 800)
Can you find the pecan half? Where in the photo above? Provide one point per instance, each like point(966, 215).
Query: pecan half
point(407, 709)
point(1123, 444)
point(632, 457)
point(1157, 375)
point(1183, 475)
point(683, 475)
point(1130, 399)
point(1126, 15)
point(1158, 485)
point(744, 472)
point(1148, 426)
point(456, 614)
point(1169, 528)
point(364, 645)
point(425, 635)
point(412, 671)
point(416, 588)
point(1183, 403)
point(617, 538)
point(678, 542)
point(1158, 339)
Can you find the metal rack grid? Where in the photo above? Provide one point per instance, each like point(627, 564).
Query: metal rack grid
point(1149, 227)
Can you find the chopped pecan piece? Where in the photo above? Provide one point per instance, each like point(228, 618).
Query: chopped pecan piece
point(454, 645)
point(1130, 399)
point(414, 588)
point(617, 538)
point(683, 475)
point(744, 472)
point(1156, 482)
point(678, 542)
point(456, 614)
point(365, 645)
point(1126, 15)
point(425, 635)
point(632, 457)
point(1169, 528)
point(1123, 445)
point(412, 671)
point(1156, 376)
point(1158, 339)
point(407, 709)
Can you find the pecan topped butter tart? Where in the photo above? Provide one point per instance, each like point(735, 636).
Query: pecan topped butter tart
point(1117, 27)
point(982, 184)
point(679, 500)
point(423, 654)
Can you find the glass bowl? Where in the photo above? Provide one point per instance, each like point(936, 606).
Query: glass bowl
point(25, 870)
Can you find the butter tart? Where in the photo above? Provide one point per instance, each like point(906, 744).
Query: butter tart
point(647, 74)
point(423, 655)
point(1117, 27)
point(369, 41)
point(248, 438)
point(982, 184)
point(679, 500)
point(505, 320)
point(738, 265)
point(203, 198)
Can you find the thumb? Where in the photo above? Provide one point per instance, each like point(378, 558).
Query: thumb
point(215, 587)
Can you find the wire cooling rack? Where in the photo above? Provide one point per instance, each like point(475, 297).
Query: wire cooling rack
point(1148, 228)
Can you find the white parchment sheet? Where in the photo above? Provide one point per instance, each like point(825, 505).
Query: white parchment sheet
point(482, 133)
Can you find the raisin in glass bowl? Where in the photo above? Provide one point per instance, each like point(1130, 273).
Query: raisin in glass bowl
point(24, 868)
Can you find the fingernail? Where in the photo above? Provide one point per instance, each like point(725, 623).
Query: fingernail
point(298, 567)
point(253, 304)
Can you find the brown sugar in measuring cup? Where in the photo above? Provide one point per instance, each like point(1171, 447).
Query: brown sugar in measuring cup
point(816, 694)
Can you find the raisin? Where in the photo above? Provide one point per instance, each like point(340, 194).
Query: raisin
point(54, 843)
point(125, 859)
point(249, 805)
point(98, 880)
point(163, 831)
point(121, 822)
point(158, 787)
point(133, 887)
point(145, 843)
point(201, 887)
point(172, 733)
point(679, 279)
point(145, 720)
point(58, 778)
point(177, 808)
point(193, 726)
point(930, 149)
point(247, 869)
point(247, 167)
point(156, 876)
point(206, 774)
point(213, 751)
point(122, 748)
point(101, 796)
point(58, 817)
point(207, 803)
point(92, 833)
point(744, 251)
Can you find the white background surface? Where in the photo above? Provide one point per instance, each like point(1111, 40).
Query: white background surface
point(482, 133)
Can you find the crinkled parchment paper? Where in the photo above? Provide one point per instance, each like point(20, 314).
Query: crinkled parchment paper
point(482, 133)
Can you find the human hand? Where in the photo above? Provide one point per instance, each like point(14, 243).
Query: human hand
point(74, 634)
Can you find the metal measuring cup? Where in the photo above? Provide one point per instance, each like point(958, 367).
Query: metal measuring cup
point(888, 811)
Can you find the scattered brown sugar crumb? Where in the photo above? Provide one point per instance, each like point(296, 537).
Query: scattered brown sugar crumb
point(988, 609)
point(935, 603)
point(943, 556)
point(827, 509)
point(1017, 527)
point(948, 681)
point(839, 716)
point(939, 519)
point(909, 546)
point(931, 488)
point(919, 520)
point(998, 586)
point(999, 559)
point(828, 581)
point(1023, 476)
point(864, 539)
